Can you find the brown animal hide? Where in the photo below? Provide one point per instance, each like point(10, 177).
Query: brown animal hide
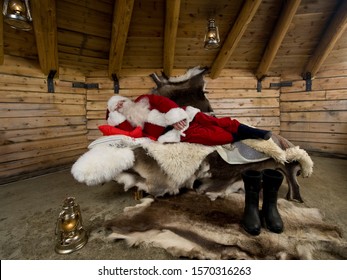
point(192, 226)
point(188, 89)
point(211, 175)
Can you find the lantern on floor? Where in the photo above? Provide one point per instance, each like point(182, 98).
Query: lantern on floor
point(70, 233)
point(17, 14)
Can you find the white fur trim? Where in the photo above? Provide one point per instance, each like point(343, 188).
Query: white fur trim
point(155, 117)
point(300, 155)
point(172, 136)
point(191, 111)
point(189, 74)
point(268, 147)
point(175, 115)
point(115, 118)
point(98, 164)
point(114, 100)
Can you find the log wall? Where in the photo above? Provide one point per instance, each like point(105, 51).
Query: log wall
point(40, 131)
point(235, 94)
point(317, 120)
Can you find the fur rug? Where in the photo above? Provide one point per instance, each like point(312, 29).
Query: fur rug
point(192, 226)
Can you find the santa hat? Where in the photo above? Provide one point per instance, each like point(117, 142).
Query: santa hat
point(112, 102)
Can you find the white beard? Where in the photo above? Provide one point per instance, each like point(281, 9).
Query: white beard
point(136, 113)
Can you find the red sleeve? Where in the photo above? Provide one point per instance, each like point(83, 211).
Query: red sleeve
point(161, 103)
point(125, 126)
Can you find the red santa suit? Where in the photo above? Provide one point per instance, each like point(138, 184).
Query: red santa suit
point(152, 114)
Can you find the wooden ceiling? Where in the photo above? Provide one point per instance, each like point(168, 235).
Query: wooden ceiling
point(266, 37)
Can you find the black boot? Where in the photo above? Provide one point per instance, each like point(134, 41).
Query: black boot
point(247, 132)
point(251, 219)
point(272, 180)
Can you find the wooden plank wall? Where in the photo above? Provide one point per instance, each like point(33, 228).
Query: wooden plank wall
point(235, 94)
point(317, 120)
point(40, 131)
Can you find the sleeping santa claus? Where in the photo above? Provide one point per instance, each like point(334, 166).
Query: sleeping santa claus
point(161, 119)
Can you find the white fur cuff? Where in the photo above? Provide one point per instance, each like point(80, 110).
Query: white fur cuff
point(172, 136)
point(192, 111)
point(155, 117)
point(175, 115)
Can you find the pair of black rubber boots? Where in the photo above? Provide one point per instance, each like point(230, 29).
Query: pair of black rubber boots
point(270, 181)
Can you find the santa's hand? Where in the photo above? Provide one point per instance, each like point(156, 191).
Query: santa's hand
point(180, 125)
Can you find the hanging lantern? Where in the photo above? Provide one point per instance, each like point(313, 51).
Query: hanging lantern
point(17, 14)
point(212, 35)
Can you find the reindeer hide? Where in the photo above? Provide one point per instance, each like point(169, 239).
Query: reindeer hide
point(192, 226)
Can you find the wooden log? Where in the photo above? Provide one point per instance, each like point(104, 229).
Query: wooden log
point(317, 105)
point(35, 122)
point(171, 23)
point(120, 27)
point(244, 18)
point(34, 134)
point(328, 127)
point(320, 116)
point(277, 37)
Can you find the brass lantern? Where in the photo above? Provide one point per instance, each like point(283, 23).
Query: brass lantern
point(70, 234)
point(17, 14)
point(212, 39)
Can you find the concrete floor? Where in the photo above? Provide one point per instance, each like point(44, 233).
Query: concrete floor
point(29, 210)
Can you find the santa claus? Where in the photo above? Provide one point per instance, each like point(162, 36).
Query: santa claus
point(161, 119)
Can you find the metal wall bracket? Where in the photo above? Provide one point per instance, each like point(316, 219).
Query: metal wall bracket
point(50, 82)
point(281, 84)
point(259, 86)
point(116, 83)
point(308, 79)
point(85, 85)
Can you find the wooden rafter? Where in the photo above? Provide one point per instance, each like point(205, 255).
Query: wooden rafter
point(121, 21)
point(284, 21)
point(246, 14)
point(1, 35)
point(331, 35)
point(171, 24)
point(45, 29)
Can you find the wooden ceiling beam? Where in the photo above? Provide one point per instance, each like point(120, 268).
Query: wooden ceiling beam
point(1, 35)
point(281, 28)
point(246, 15)
point(331, 35)
point(120, 27)
point(45, 29)
point(171, 23)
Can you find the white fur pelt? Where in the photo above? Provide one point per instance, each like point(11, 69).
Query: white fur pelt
point(179, 160)
point(268, 147)
point(101, 164)
point(300, 155)
point(291, 154)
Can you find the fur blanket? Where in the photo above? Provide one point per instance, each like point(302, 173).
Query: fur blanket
point(109, 156)
point(196, 227)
